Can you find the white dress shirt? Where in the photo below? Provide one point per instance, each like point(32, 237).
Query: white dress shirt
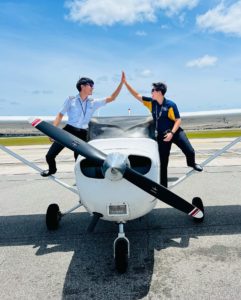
point(80, 112)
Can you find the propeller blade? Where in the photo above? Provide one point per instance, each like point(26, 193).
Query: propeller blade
point(162, 193)
point(68, 140)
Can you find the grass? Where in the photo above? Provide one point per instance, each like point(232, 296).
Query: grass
point(19, 141)
point(205, 134)
point(43, 140)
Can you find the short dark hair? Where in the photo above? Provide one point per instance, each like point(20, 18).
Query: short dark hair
point(161, 87)
point(83, 81)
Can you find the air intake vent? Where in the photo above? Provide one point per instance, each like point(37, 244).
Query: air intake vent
point(138, 163)
point(91, 169)
point(141, 164)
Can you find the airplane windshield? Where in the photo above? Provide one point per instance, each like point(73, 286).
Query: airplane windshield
point(126, 127)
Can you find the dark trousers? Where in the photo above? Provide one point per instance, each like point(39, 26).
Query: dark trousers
point(181, 140)
point(56, 148)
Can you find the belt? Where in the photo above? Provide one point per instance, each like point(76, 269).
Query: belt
point(76, 129)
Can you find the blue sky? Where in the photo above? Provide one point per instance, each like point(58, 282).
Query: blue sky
point(193, 46)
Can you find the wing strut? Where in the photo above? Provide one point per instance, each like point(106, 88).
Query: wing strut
point(33, 166)
point(212, 157)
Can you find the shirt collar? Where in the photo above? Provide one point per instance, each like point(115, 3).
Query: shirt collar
point(163, 103)
point(78, 96)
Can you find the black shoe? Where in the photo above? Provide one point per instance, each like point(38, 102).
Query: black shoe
point(198, 168)
point(47, 173)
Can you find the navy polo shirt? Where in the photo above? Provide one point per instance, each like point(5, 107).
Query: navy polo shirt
point(164, 115)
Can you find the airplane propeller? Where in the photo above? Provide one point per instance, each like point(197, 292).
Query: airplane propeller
point(73, 143)
point(68, 140)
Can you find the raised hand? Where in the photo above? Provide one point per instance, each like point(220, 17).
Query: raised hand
point(123, 77)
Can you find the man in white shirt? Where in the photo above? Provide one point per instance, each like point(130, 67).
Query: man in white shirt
point(79, 110)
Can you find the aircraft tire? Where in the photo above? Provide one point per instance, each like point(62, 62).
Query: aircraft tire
point(53, 216)
point(196, 201)
point(121, 255)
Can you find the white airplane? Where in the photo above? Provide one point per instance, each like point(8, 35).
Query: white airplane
point(117, 178)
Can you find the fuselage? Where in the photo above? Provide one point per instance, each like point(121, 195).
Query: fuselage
point(118, 200)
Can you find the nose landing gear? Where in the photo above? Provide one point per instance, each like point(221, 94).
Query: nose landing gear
point(121, 250)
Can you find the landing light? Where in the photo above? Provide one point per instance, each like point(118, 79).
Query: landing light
point(115, 210)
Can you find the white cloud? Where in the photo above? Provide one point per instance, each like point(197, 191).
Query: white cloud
point(222, 19)
point(165, 26)
point(201, 62)
point(45, 92)
point(141, 33)
point(181, 18)
point(175, 6)
point(102, 79)
point(109, 12)
point(145, 73)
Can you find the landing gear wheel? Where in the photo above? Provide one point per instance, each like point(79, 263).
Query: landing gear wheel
point(196, 201)
point(121, 255)
point(53, 217)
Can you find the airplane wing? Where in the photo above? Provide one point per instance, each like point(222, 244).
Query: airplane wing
point(128, 126)
point(132, 126)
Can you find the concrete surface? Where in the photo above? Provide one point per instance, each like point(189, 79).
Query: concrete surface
point(171, 256)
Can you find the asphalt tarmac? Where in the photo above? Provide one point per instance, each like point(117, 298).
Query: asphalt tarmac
point(171, 257)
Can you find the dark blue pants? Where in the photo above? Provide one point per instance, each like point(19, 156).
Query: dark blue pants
point(56, 148)
point(180, 139)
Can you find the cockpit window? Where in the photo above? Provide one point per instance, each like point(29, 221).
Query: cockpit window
point(121, 127)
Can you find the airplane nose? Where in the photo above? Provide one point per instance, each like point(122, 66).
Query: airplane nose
point(114, 166)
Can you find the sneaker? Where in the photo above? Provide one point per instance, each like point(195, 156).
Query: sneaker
point(47, 173)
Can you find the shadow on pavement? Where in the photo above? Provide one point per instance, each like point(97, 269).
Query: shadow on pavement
point(91, 273)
